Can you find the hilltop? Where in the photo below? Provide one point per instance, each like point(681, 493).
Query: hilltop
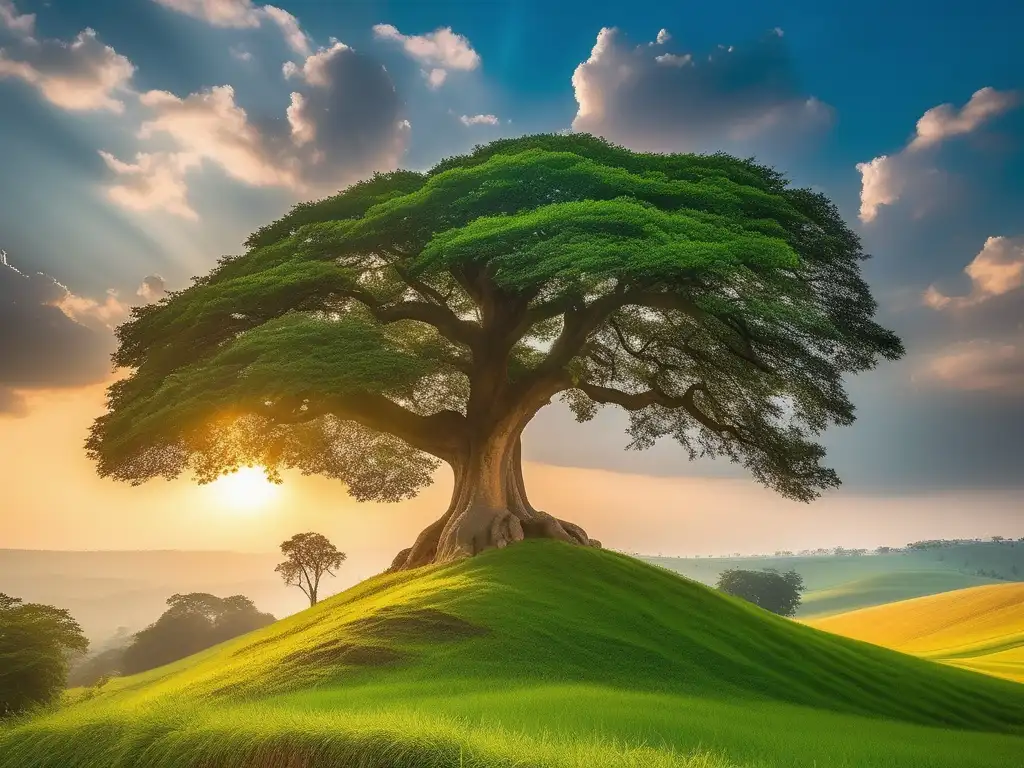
point(980, 628)
point(538, 654)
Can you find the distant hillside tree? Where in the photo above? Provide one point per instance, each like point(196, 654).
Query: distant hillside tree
point(776, 592)
point(421, 318)
point(190, 624)
point(309, 557)
point(36, 642)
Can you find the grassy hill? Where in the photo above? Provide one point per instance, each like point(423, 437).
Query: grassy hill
point(980, 628)
point(541, 654)
point(839, 583)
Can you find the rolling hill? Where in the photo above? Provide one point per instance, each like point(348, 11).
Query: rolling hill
point(540, 654)
point(980, 628)
point(840, 583)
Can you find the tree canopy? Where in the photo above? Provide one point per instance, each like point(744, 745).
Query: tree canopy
point(308, 556)
point(191, 623)
point(36, 642)
point(776, 592)
point(414, 319)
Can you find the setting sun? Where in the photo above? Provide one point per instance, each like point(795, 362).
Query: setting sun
point(248, 488)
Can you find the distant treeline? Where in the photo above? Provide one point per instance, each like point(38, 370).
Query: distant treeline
point(191, 623)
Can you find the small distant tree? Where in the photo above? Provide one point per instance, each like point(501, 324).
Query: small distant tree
point(309, 557)
point(776, 592)
point(36, 642)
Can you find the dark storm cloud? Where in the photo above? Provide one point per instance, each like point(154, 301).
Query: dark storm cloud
point(648, 97)
point(40, 346)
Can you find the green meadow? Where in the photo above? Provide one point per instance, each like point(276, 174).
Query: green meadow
point(540, 654)
point(840, 583)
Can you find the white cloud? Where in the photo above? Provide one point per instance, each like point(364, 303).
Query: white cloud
point(219, 13)
point(153, 182)
point(435, 77)
point(82, 75)
point(152, 288)
point(242, 14)
point(881, 184)
point(663, 37)
point(315, 70)
point(996, 270)
point(887, 178)
point(944, 121)
point(438, 51)
point(238, 52)
point(674, 59)
point(343, 123)
point(303, 131)
point(289, 26)
point(22, 24)
point(669, 101)
point(980, 365)
point(102, 315)
point(479, 120)
point(211, 125)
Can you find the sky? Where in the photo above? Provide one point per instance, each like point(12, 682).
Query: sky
point(141, 140)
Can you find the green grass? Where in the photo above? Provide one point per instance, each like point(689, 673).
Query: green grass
point(886, 588)
point(837, 584)
point(541, 654)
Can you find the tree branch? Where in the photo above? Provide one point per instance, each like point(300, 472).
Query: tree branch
point(655, 396)
point(441, 434)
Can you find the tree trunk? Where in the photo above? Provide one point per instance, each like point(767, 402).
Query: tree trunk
point(489, 509)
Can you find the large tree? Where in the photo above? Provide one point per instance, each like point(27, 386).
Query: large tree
point(415, 319)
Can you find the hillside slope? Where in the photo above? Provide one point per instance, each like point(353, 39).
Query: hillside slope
point(980, 628)
point(839, 583)
point(883, 588)
point(539, 654)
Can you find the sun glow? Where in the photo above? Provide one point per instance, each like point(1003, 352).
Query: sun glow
point(246, 489)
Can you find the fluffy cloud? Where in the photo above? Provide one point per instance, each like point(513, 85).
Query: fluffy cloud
point(438, 51)
point(888, 178)
point(219, 13)
point(297, 40)
point(83, 74)
point(944, 121)
point(478, 119)
point(152, 289)
point(343, 123)
point(665, 101)
point(44, 343)
point(980, 365)
point(21, 24)
point(243, 14)
point(155, 181)
point(996, 270)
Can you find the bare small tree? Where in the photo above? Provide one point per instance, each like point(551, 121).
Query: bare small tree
point(308, 557)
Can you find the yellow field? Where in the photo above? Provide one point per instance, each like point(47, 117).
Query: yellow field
point(981, 628)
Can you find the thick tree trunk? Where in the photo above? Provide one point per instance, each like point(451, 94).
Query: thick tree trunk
point(489, 509)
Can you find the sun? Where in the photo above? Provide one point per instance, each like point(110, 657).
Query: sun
point(246, 489)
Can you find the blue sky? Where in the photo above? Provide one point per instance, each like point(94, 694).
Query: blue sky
point(815, 89)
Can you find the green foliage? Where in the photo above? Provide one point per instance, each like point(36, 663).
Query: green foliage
point(605, 661)
point(35, 642)
point(721, 307)
point(768, 589)
point(308, 556)
point(191, 623)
